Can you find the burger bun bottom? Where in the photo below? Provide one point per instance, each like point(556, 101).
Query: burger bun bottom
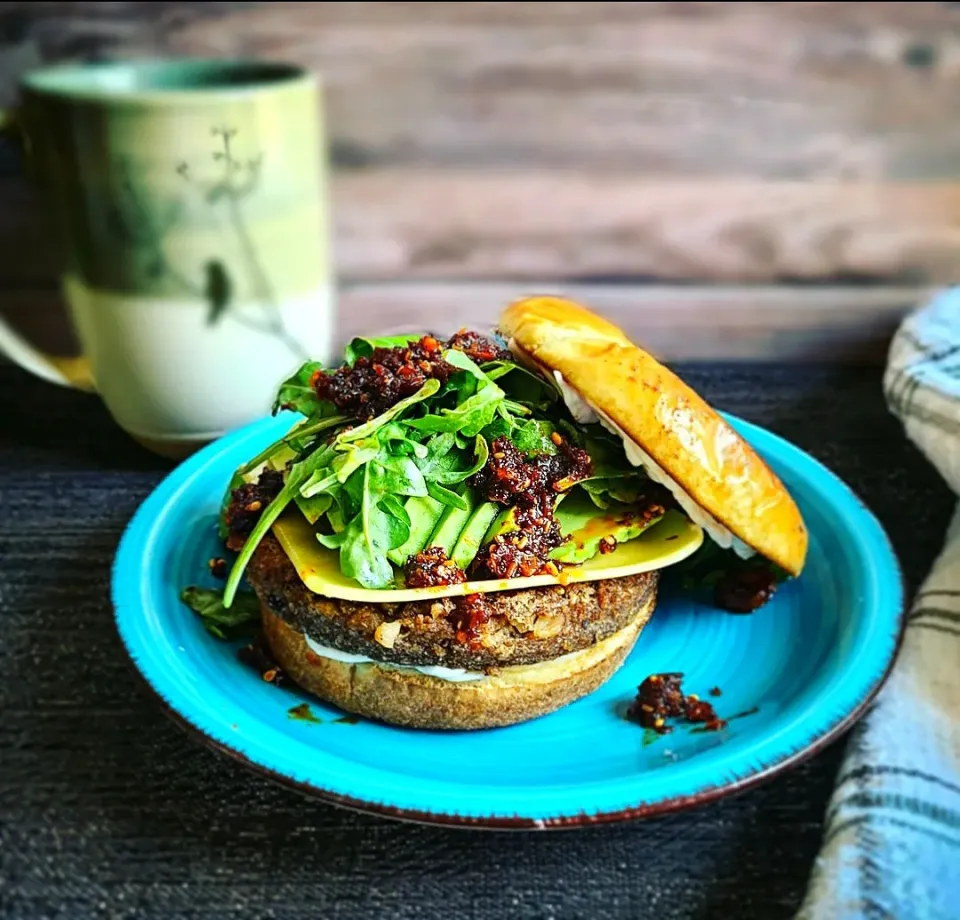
point(409, 698)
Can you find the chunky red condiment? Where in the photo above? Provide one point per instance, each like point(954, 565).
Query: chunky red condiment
point(607, 545)
point(661, 697)
point(744, 590)
point(247, 503)
point(432, 568)
point(478, 347)
point(380, 380)
point(256, 655)
point(531, 486)
point(468, 617)
point(218, 567)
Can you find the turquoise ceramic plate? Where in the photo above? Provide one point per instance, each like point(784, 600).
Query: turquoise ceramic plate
point(796, 673)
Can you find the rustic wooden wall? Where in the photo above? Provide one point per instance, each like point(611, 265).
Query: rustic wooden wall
point(803, 156)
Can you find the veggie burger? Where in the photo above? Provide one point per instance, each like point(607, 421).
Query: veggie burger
point(468, 533)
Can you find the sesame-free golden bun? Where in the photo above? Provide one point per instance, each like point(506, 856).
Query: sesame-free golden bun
point(672, 424)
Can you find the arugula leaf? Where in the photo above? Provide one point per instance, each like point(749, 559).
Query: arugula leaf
point(315, 507)
point(480, 452)
point(440, 456)
point(332, 540)
point(351, 496)
point(533, 437)
point(382, 523)
point(496, 369)
point(370, 536)
point(573, 434)
point(396, 431)
point(297, 393)
point(363, 347)
point(297, 475)
point(238, 621)
point(461, 361)
point(344, 464)
point(446, 462)
point(617, 488)
point(468, 418)
point(522, 385)
point(355, 454)
point(393, 506)
point(429, 388)
point(400, 475)
point(447, 496)
point(516, 408)
point(295, 437)
point(335, 519)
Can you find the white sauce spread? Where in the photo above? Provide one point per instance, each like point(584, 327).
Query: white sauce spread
point(543, 671)
point(585, 412)
point(457, 675)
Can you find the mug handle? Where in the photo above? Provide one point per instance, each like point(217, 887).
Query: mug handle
point(65, 371)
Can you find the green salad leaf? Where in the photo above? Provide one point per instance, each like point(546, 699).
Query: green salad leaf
point(428, 389)
point(469, 417)
point(352, 478)
point(297, 393)
point(237, 621)
point(363, 347)
point(296, 440)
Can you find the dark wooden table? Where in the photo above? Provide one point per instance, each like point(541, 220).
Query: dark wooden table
point(108, 810)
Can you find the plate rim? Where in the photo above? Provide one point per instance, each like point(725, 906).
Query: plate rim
point(183, 472)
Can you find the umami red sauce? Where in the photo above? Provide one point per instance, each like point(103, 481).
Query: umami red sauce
point(432, 568)
point(744, 590)
point(380, 380)
point(660, 697)
point(531, 486)
point(257, 656)
point(468, 617)
point(247, 503)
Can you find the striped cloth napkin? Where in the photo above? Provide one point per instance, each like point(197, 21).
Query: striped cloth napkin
point(892, 841)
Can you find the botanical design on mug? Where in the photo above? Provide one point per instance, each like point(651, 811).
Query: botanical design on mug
point(147, 228)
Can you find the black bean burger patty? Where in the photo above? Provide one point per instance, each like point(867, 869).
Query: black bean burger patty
point(526, 626)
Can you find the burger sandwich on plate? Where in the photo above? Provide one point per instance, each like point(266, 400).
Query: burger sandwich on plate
point(468, 533)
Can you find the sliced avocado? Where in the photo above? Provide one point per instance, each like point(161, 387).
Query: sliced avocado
point(504, 522)
point(468, 545)
point(586, 525)
point(452, 523)
point(425, 513)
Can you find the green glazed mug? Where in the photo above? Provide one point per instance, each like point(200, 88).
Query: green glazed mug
point(190, 201)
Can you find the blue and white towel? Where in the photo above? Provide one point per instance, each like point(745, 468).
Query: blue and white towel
point(892, 839)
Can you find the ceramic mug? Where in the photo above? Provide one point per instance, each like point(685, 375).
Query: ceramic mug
point(189, 197)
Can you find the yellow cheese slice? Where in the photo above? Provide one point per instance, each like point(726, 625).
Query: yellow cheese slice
point(671, 540)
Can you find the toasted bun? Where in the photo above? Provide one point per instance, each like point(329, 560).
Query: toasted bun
point(663, 416)
point(416, 700)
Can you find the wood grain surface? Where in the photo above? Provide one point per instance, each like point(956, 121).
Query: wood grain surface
point(771, 90)
point(417, 223)
point(586, 142)
point(832, 325)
